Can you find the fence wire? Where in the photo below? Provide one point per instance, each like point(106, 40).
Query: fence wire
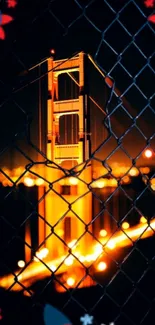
point(78, 235)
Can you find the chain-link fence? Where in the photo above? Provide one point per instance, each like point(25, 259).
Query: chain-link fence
point(77, 152)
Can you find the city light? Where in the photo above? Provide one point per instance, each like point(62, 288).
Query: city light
point(60, 232)
point(41, 254)
point(73, 180)
point(144, 170)
point(68, 261)
point(28, 182)
point(52, 51)
point(103, 233)
point(98, 249)
point(111, 244)
point(152, 182)
point(100, 183)
point(125, 225)
point(101, 266)
point(148, 153)
point(118, 171)
point(143, 219)
point(126, 180)
point(39, 182)
point(53, 268)
point(70, 281)
point(73, 244)
point(40, 270)
point(134, 172)
point(21, 264)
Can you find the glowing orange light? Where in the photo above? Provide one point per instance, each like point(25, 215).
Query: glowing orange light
point(109, 82)
point(28, 182)
point(134, 172)
point(60, 232)
point(125, 225)
point(21, 264)
point(103, 233)
point(112, 182)
point(89, 258)
point(41, 254)
point(39, 182)
point(70, 281)
point(53, 268)
point(100, 183)
point(73, 180)
point(101, 266)
point(62, 182)
point(152, 183)
point(68, 261)
point(145, 170)
point(72, 244)
point(27, 294)
point(111, 244)
point(143, 219)
point(81, 258)
point(52, 51)
point(39, 270)
point(126, 179)
point(148, 153)
point(98, 249)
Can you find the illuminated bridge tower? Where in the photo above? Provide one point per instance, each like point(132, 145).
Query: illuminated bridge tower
point(67, 219)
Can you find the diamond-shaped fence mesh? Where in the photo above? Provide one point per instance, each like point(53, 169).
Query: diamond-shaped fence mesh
point(77, 161)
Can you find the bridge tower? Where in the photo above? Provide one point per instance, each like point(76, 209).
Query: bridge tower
point(66, 208)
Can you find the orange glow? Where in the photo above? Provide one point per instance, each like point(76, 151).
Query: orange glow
point(134, 233)
point(133, 172)
point(39, 182)
point(73, 244)
point(60, 232)
point(27, 293)
point(109, 82)
point(152, 182)
point(73, 180)
point(126, 179)
point(145, 170)
point(103, 233)
point(104, 183)
point(21, 264)
point(69, 261)
point(111, 244)
point(39, 270)
point(143, 219)
point(28, 182)
point(98, 249)
point(125, 225)
point(148, 153)
point(52, 51)
point(62, 182)
point(53, 268)
point(101, 266)
point(118, 171)
point(41, 254)
point(100, 183)
point(70, 281)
